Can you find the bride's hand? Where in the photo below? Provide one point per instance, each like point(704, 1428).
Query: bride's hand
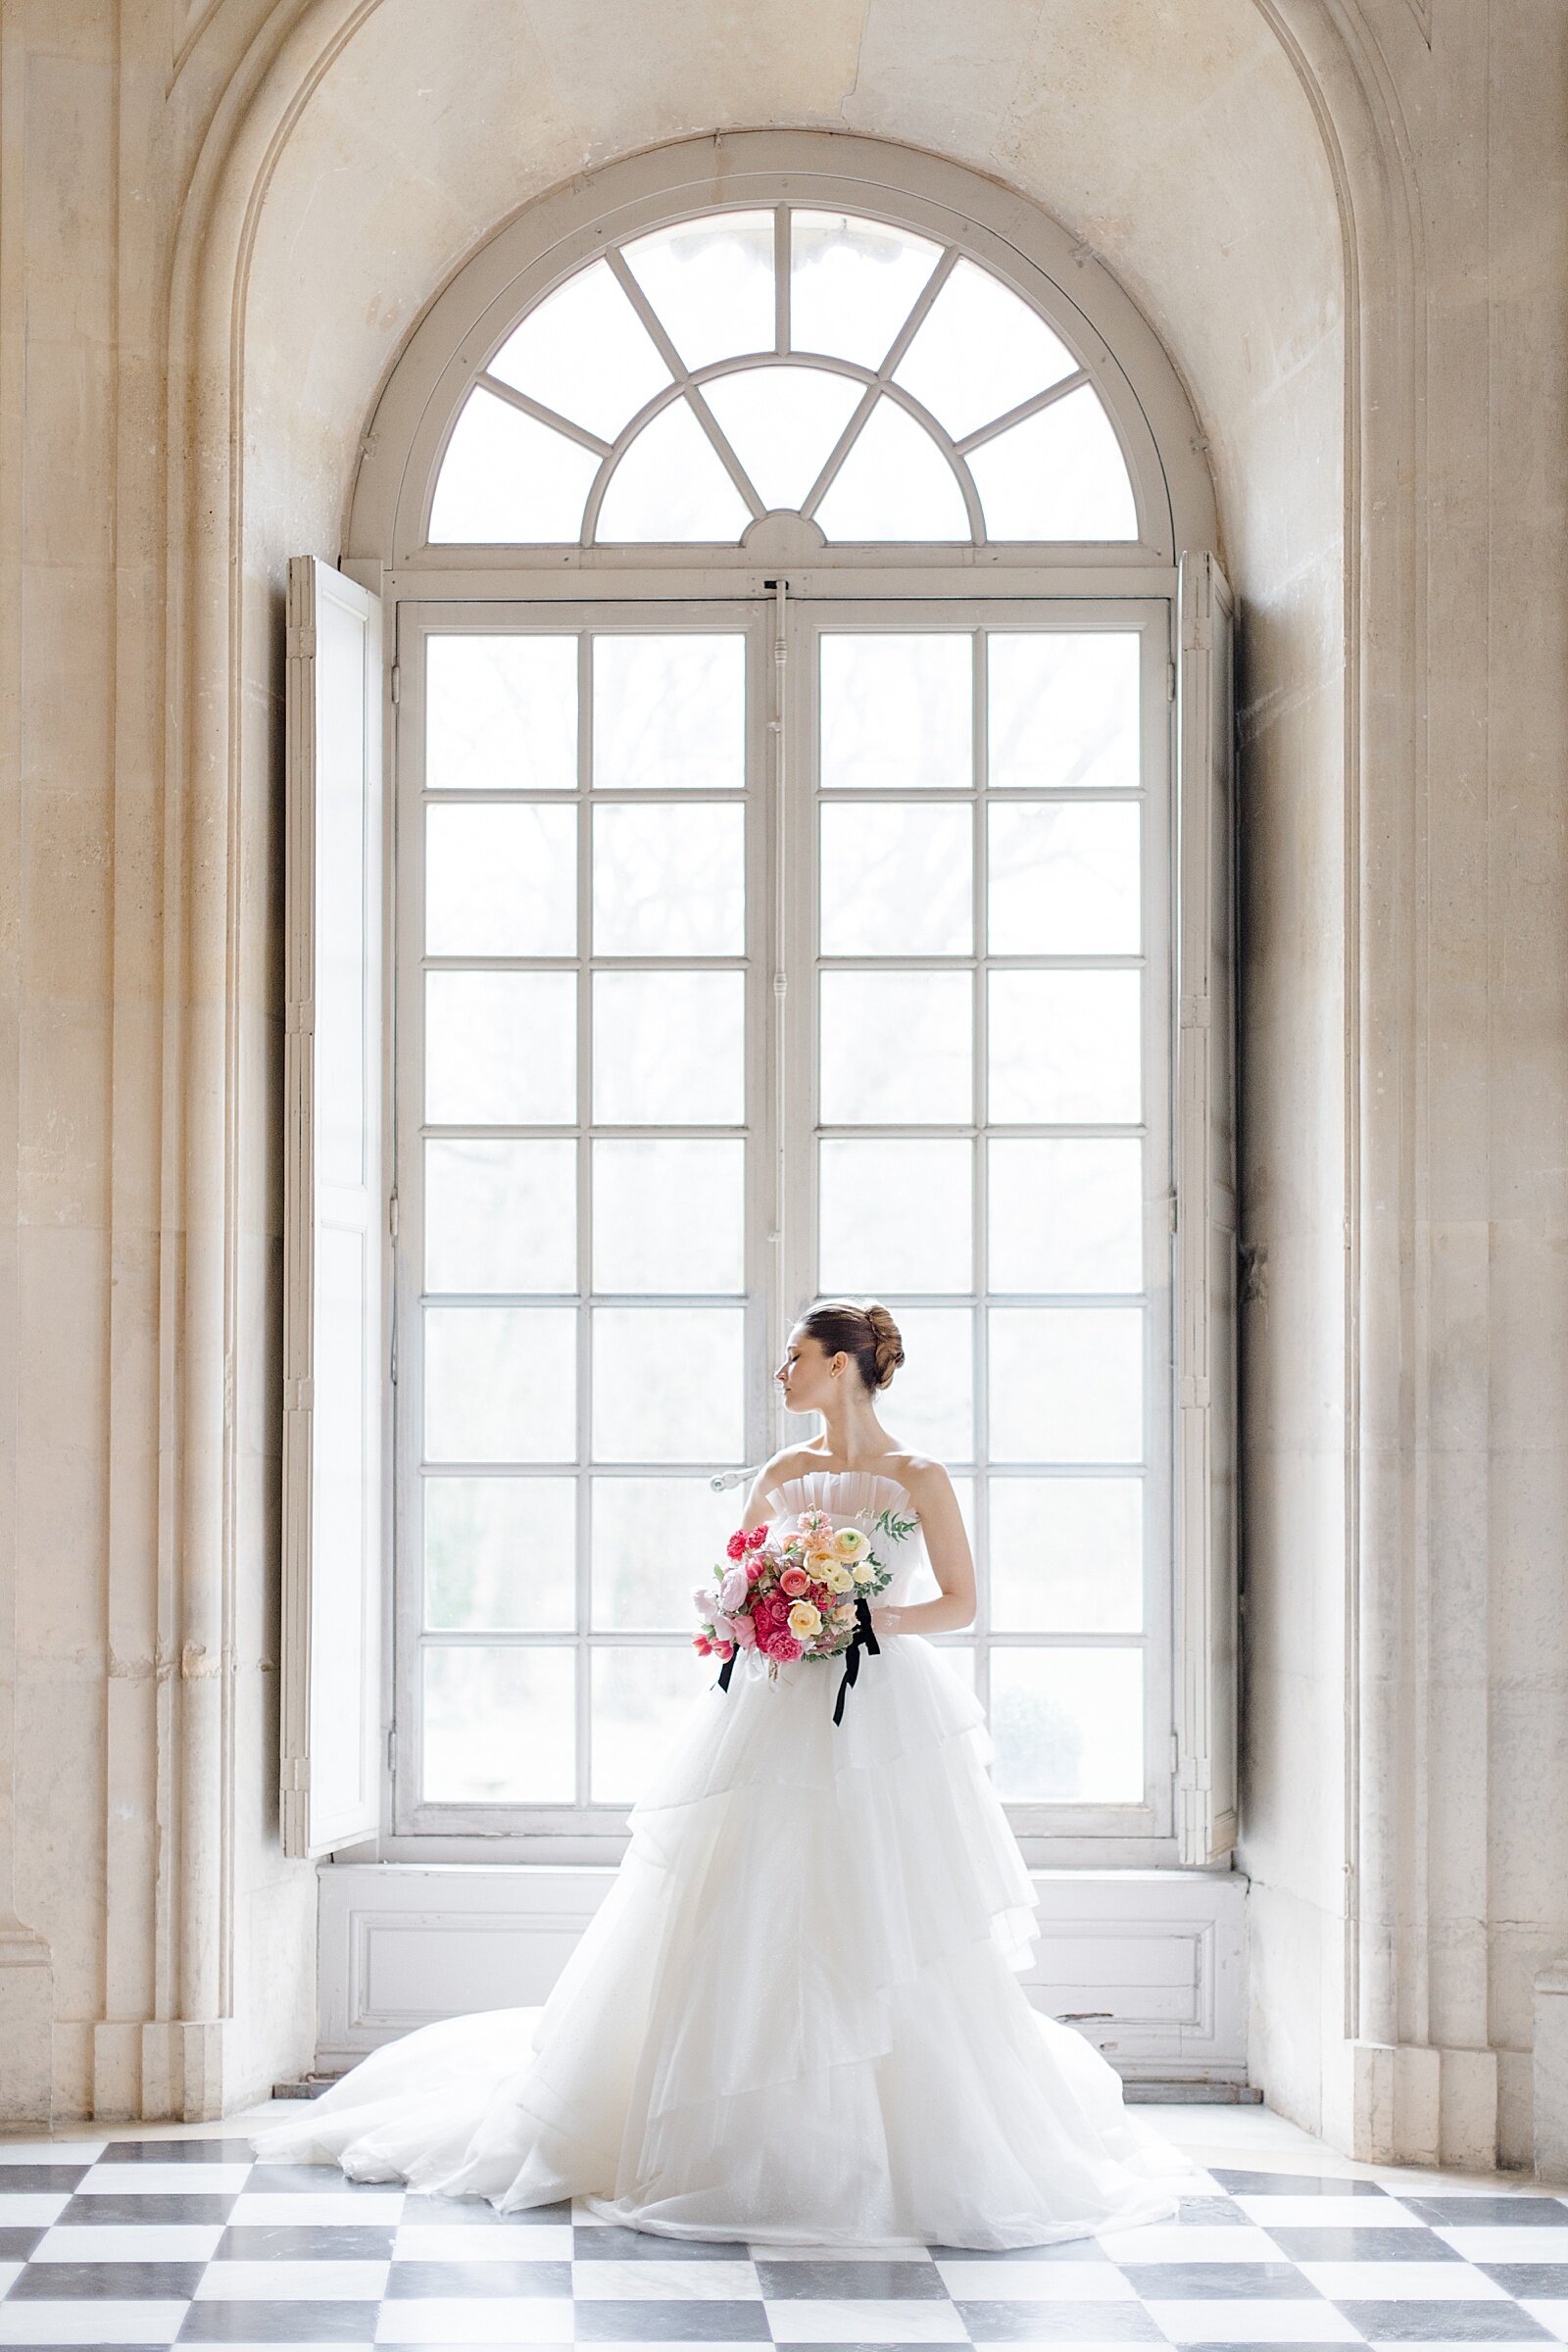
point(885, 1621)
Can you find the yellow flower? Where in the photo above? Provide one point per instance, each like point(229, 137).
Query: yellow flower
point(817, 1560)
point(852, 1544)
point(837, 1577)
point(805, 1623)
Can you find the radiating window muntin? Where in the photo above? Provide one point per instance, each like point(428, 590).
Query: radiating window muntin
point(564, 1274)
point(697, 376)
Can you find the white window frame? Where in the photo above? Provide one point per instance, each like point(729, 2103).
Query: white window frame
point(386, 546)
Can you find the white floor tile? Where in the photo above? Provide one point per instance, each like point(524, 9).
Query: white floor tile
point(293, 2283)
point(9, 2272)
point(805, 2319)
point(51, 2151)
point(1402, 2283)
point(1204, 2241)
point(537, 2241)
point(1508, 2245)
point(1036, 2282)
point(30, 2212)
point(1551, 2315)
point(639, 2281)
point(1327, 2213)
point(160, 2241)
point(487, 2320)
point(1288, 2321)
point(868, 2251)
point(277, 2211)
point(87, 2323)
point(164, 2180)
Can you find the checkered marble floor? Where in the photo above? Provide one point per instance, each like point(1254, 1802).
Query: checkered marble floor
point(160, 2240)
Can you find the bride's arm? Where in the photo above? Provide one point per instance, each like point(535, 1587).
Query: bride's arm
point(947, 1546)
point(755, 1511)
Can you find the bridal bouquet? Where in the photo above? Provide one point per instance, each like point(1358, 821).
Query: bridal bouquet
point(789, 1594)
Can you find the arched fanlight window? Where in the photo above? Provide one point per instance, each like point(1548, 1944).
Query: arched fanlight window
point(879, 383)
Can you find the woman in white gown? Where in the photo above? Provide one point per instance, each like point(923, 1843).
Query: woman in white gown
point(796, 2017)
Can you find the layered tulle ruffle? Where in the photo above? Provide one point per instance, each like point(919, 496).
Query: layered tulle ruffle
point(796, 2015)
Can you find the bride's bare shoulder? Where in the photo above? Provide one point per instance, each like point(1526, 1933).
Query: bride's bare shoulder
point(793, 1461)
point(924, 1476)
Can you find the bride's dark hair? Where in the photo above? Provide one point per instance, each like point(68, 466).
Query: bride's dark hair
point(863, 1329)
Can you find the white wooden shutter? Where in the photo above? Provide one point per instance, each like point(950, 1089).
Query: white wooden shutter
point(1205, 1514)
point(333, 1216)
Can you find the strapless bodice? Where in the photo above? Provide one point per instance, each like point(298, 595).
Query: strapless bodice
point(866, 1499)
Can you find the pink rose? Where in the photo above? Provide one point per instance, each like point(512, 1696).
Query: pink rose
point(745, 1631)
point(795, 1582)
point(734, 1589)
point(785, 1647)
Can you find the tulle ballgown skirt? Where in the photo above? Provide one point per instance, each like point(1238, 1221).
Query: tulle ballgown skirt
point(796, 2017)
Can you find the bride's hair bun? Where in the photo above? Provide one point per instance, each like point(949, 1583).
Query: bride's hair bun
point(860, 1327)
point(888, 1345)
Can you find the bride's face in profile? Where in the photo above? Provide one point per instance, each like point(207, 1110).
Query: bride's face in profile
point(805, 1376)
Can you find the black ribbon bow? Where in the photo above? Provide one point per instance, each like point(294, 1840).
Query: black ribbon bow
point(863, 1638)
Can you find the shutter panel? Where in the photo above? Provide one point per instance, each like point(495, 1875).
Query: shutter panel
point(1205, 1515)
point(333, 1216)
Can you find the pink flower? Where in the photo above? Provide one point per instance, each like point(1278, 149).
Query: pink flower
point(795, 1582)
point(736, 1545)
point(754, 1569)
point(726, 1650)
point(785, 1647)
point(702, 1643)
point(757, 1536)
point(745, 1631)
point(734, 1589)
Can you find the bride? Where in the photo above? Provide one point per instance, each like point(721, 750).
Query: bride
point(796, 2017)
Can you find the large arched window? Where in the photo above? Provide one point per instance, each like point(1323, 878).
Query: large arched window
point(794, 893)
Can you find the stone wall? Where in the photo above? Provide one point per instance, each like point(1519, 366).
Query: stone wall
point(217, 220)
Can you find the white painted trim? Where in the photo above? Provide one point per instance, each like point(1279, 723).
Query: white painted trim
point(1162, 1950)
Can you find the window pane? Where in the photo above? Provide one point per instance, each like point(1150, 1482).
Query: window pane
point(897, 879)
point(1065, 878)
point(640, 1698)
point(499, 1726)
point(669, 713)
point(668, 1383)
point(669, 1214)
point(980, 350)
point(1066, 1213)
point(653, 1539)
point(853, 283)
point(929, 1404)
point(669, 881)
point(505, 476)
point(1066, 1384)
point(895, 483)
point(1068, 1726)
point(501, 713)
point(499, 1554)
point(1064, 1045)
point(782, 423)
point(1060, 475)
point(1067, 1556)
point(584, 352)
point(500, 1384)
point(499, 1048)
point(711, 283)
point(670, 1049)
point(896, 1048)
point(671, 484)
point(1063, 710)
point(895, 711)
point(896, 1215)
point(500, 879)
point(500, 1215)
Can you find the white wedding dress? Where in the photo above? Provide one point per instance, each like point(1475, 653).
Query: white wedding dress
point(796, 2016)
